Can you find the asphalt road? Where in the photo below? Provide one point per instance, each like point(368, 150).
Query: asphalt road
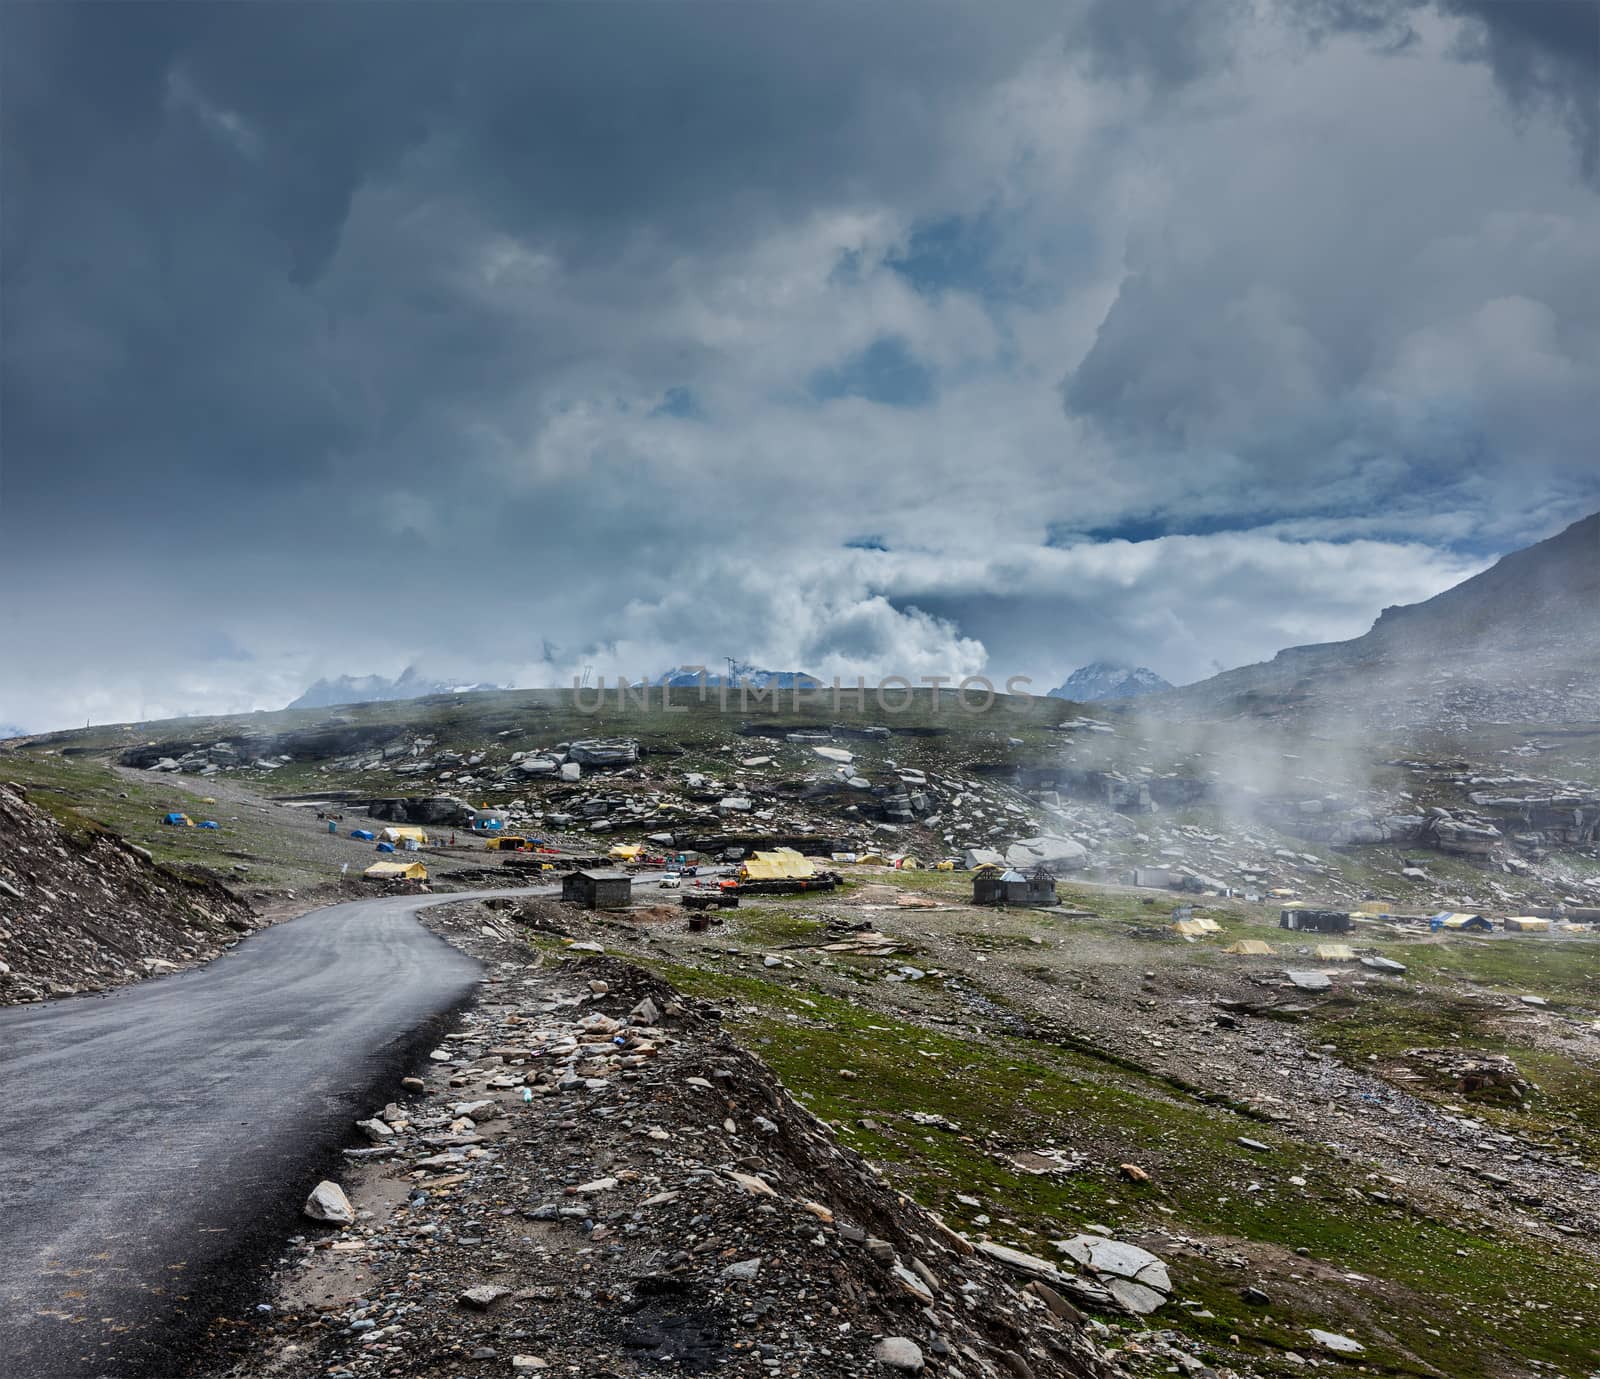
point(156, 1141)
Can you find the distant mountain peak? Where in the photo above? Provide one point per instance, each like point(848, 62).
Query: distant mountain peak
point(1108, 680)
point(742, 674)
point(369, 689)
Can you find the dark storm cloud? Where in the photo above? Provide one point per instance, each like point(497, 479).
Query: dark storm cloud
point(180, 181)
point(1545, 54)
point(637, 314)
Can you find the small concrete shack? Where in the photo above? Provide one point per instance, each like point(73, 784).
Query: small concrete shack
point(598, 890)
point(1315, 921)
point(994, 887)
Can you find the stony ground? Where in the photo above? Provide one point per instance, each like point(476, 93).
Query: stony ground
point(1033, 1079)
point(592, 1178)
point(1407, 1159)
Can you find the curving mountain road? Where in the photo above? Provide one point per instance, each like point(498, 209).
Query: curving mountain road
point(158, 1135)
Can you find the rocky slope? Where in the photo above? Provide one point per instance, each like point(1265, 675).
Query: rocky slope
point(1519, 642)
point(83, 911)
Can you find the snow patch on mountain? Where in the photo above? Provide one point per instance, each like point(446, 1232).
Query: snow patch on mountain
point(1108, 680)
point(688, 677)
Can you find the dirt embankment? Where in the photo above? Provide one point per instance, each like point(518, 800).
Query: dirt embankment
point(82, 910)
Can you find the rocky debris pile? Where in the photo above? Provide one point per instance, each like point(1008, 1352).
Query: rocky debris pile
point(1469, 1071)
point(84, 910)
point(336, 739)
point(449, 810)
point(596, 1180)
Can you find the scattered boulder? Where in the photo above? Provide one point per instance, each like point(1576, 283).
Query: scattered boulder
point(1053, 850)
point(604, 752)
point(328, 1203)
point(1332, 1340)
point(1137, 1279)
point(900, 1354)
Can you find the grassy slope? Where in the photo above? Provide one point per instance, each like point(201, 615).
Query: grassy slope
point(1505, 1300)
point(1023, 1093)
point(281, 852)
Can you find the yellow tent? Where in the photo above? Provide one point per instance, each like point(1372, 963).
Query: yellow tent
point(870, 859)
point(398, 833)
point(1335, 952)
point(781, 864)
point(626, 852)
point(905, 862)
point(946, 865)
point(1250, 948)
point(396, 871)
point(1527, 924)
point(1193, 928)
point(1375, 907)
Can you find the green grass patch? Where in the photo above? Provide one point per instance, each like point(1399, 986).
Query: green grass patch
point(1493, 1299)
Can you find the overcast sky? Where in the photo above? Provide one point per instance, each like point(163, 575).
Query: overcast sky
point(858, 339)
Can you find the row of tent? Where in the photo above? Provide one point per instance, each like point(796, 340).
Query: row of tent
point(177, 820)
point(635, 852)
point(1458, 923)
point(1450, 922)
point(786, 864)
point(396, 835)
point(1257, 948)
point(900, 861)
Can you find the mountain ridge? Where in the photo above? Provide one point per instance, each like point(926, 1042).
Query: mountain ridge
point(371, 689)
point(1519, 633)
point(688, 677)
point(1109, 680)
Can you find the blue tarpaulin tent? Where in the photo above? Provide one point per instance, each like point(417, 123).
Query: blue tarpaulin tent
point(361, 833)
point(211, 823)
point(385, 847)
point(181, 820)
